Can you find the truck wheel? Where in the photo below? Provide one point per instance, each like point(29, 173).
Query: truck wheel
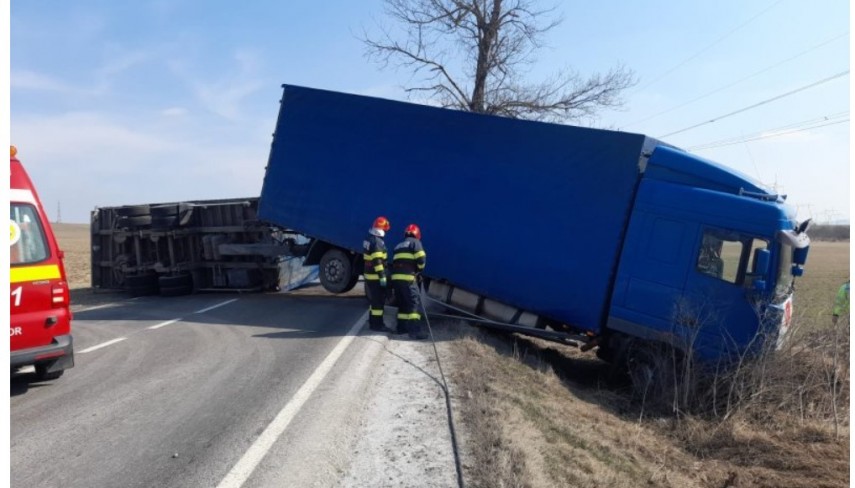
point(140, 285)
point(164, 210)
point(163, 222)
point(135, 221)
point(651, 375)
point(353, 281)
point(43, 375)
point(336, 271)
point(175, 291)
point(133, 210)
point(173, 286)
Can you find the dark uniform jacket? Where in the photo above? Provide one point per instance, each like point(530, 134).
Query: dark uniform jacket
point(408, 259)
point(374, 255)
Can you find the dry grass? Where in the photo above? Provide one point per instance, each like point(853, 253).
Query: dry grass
point(541, 415)
point(827, 268)
point(74, 241)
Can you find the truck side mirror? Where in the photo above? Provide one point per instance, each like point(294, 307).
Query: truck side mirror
point(800, 255)
point(761, 261)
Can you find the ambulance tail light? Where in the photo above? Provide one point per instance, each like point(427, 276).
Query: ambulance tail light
point(59, 294)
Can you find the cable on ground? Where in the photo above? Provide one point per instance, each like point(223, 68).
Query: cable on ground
point(454, 445)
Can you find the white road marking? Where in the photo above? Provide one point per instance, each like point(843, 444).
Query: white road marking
point(95, 307)
point(241, 471)
point(153, 327)
point(216, 306)
point(164, 324)
point(99, 346)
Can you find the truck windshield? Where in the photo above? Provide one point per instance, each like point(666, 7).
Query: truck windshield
point(27, 239)
point(785, 275)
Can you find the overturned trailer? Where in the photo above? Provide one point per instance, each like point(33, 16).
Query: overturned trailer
point(184, 247)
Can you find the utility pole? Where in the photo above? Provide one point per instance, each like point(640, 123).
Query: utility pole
point(58, 212)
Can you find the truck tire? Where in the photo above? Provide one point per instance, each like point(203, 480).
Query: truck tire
point(336, 271)
point(172, 286)
point(164, 211)
point(141, 285)
point(133, 210)
point(43, 375)
point(163, 222)
point(651, 375)
point(135, 221)
point(353, 280)
point(176, 291)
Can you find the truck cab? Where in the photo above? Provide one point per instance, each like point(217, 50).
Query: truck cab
point(40, 317)
point(708, 262)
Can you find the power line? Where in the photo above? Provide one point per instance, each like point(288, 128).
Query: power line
point(814, 48)
point(763, 136)
point(815, 120)
point(764, 102)
point(709, 46)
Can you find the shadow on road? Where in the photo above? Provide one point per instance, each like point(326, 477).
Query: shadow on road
point(21, 382)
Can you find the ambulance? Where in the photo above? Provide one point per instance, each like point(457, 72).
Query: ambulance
point(40, 314)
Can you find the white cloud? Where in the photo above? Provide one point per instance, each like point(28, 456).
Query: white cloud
point(120, 60)
point(30, 80)
point(225, 96)
point(174, 112)
point(87, 160)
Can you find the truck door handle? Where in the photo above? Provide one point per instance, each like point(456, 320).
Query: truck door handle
point(52, 320)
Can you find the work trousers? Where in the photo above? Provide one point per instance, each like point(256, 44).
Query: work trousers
point(409, 308)
point(376, 295)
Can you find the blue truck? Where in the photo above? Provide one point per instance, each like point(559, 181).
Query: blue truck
point(592, 237)
point(610, 241)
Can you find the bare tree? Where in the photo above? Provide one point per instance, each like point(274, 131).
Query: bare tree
point(470, 54)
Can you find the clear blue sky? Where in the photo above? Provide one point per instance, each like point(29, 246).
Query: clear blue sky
point(118, 102)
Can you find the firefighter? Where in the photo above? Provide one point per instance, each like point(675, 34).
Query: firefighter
point(375, 272)
point(841, 303)
point(408, 262)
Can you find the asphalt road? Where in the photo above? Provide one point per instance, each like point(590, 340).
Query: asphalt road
point(199, 401)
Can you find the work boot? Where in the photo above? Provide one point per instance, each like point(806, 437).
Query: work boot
point(379, 327)
point(402, 328)
point(417, 332)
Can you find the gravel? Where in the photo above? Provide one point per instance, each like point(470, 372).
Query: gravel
point(404, 437)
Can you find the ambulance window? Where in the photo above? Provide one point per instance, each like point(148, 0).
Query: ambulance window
point(27, 238)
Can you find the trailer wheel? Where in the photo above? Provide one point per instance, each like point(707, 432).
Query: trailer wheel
point(353, 280)
point(175, 291)
point(170, 210)
point(140, 285)
point(43, 375)
point(135, 221)
point(336, 271)
point(133, 210)
point(163, 222)
point(172, 286)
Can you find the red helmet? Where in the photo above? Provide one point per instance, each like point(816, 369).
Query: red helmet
point(413, 230)
point(382, 223)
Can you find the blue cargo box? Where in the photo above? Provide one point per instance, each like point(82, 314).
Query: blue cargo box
point(527, 213)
